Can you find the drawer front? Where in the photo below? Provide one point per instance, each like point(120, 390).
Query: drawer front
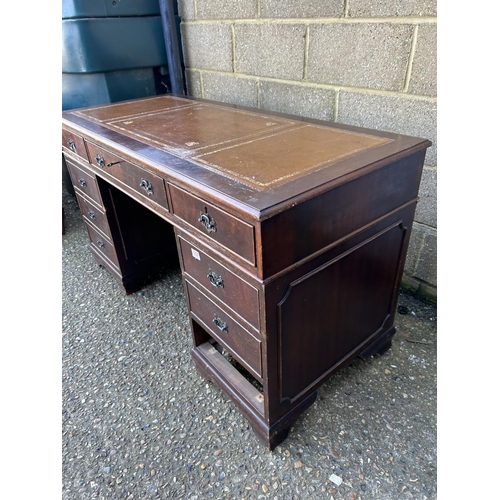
point(220, 282)
point(74, 143)
point(93, 214)
point(145, 183)
point(84, 180)
point(231, 232)
point(238, 341)
point(102, 245)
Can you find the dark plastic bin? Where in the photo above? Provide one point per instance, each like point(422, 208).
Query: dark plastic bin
point(111, 59)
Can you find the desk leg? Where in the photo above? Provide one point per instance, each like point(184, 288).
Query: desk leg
point(379, 346)
point(211, 365)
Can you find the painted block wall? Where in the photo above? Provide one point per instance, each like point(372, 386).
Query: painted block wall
point(359, 62)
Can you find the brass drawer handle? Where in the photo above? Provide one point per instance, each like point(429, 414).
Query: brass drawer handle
point(91, 214)
point(215, 279)
point(208, 222)
point(100, 243)
point(146, 185)
point(100, 160)
point(82, 182)
point(72, 145)
point(221, 325)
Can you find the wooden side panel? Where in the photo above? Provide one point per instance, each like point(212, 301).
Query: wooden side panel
point(333, 309)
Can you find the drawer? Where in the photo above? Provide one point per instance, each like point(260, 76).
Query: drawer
point(102, 245)
point(84, 180)
point(93, 214)
point(237, 294)
point(231, 232)
point(145, 183)
point(223, 328)
point(74, 143)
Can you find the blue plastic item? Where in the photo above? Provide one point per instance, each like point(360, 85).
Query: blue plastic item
point(81, 90)
point(112, 43)
point(109, 59)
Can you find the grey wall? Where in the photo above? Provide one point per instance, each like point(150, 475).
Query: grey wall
point(358, 62)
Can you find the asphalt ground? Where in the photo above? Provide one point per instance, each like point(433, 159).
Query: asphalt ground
point(138, 422)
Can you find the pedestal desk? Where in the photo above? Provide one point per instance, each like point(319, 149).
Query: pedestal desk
point(291, 234)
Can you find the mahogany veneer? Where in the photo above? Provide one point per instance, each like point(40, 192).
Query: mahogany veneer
point(291, 234)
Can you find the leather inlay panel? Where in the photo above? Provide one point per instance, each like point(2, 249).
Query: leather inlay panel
point(275, 159)
point(121, 110)
point(251, 148)
point(185, 130)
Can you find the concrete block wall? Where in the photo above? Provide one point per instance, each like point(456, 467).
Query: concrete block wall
point(358, 62)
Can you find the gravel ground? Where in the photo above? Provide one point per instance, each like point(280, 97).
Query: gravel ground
point(139, 422)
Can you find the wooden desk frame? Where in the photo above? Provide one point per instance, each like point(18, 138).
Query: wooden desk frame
point(288, 274)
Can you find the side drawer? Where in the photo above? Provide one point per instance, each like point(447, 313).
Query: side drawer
point(74, 143)
point(102, 245)
point(84, 180)
point(238, 341)
point(145, 183)
point(231, 232)
point(219, 281)
point(93, 214)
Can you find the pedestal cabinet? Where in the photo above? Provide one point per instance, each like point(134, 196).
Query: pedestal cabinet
point(291, 235)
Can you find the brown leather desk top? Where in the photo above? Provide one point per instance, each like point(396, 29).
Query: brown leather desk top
point(253, 157)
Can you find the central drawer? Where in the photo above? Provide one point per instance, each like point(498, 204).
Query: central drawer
point(220, 282)
point(223, 328)
point(143, 182)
